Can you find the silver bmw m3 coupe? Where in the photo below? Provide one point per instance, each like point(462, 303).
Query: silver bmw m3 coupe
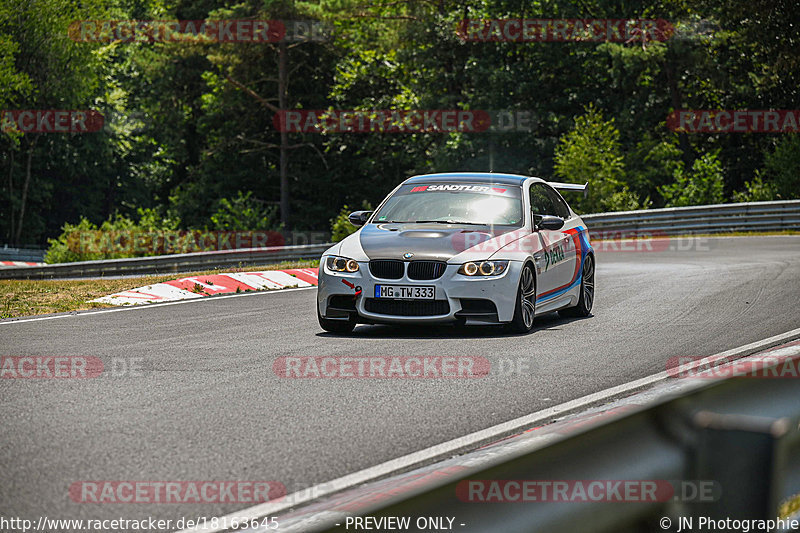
point(460, 248)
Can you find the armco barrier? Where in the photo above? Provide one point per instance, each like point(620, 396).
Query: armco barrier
point(721, 218)
point(35, 255)
point(754, 216)
point(168, 264)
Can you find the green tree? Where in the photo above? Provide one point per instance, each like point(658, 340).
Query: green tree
point(340, 224)
point(782, 168)
point(189, 124)
point(591, 152)
point(44, 70)
point(702, 185)
point(117, 237)
point(756, 190)
point(244, 213)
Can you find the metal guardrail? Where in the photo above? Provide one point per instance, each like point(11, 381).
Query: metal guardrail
point(168, 264)
point(743, 435)
point(22, 254)
point(721, 218)
point(754, 216)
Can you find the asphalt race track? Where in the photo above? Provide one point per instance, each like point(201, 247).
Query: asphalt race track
point(207, 406)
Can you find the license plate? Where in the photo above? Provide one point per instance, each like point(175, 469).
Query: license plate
point(405, 292)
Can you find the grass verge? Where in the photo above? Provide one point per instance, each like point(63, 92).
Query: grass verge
point(39, 297)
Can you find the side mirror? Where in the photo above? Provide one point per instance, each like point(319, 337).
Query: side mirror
point(548, 222)
point(359, 218)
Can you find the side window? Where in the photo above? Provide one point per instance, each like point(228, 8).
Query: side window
point(559, 205)
point(541, 202)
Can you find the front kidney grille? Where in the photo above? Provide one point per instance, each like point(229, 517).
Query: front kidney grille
point(387, 268)
point(407, 307)
point(426, 269)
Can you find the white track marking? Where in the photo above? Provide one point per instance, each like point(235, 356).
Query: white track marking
point(156, 293)
point(151, 306)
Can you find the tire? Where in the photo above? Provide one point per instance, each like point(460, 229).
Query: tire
point(525, 309)
point(586, 300)
point(340, 327)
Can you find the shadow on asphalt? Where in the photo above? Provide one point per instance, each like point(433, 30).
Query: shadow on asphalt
point(445, 331)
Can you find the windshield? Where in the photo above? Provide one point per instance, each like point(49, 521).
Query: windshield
point(475, 204)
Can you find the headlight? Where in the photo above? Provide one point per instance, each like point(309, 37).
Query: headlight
point(483, 268)
point(341, 264)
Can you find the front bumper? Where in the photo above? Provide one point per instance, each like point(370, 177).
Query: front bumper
point(457, 297)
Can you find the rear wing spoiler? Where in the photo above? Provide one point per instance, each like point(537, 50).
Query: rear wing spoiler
point(571, 187)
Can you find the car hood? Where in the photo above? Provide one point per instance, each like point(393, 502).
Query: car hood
point(426, 241)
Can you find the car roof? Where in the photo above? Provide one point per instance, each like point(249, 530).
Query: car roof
point(472, 177)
